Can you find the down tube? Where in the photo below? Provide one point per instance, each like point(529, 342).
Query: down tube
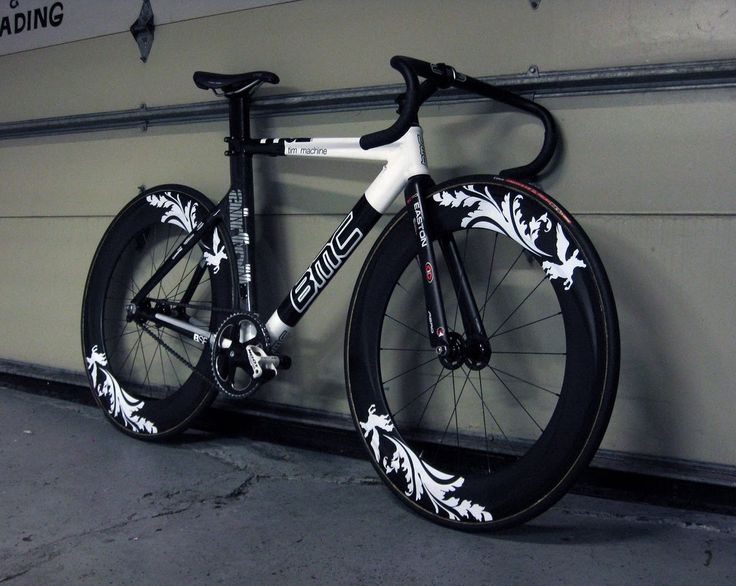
point(351, 231)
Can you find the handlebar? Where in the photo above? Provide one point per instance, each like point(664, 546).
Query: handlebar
point(407, 110)
point(440, 76)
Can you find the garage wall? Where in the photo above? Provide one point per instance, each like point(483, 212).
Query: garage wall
point(649, 175)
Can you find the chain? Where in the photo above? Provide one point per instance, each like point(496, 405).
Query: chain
point(195, 305)
point(176, 355)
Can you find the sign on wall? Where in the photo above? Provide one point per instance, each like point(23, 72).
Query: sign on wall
point(31, 24)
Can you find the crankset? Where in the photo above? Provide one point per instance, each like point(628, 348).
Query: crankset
point(240, 358)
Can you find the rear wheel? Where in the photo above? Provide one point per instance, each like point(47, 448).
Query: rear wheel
point(149, 380)
point(494, 432)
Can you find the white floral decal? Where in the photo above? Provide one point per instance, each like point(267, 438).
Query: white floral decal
point(421, 478)
point(122, 406)
point(219, 255)
point(178, 213)
point(567, 264)
point(184, 215)
point(507, 219)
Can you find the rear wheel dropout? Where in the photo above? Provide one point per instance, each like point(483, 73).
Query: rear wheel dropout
point(492, 433)
point(150, 380)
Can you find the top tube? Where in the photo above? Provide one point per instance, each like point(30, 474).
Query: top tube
point(404, 158)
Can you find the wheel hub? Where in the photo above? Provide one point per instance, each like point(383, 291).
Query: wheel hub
point(477, 353)
point(473, 352)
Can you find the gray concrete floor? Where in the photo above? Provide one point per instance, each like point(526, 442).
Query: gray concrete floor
point(81, 503)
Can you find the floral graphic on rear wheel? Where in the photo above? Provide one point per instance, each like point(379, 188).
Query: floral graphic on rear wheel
point(184, 215)
point(177, 212)
point(507, 218)
point(213, 259)
point(422, 480)
point(122, 406)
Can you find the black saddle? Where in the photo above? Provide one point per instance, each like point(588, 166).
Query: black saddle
point(233, 84)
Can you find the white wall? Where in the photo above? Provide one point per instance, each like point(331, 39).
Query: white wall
point(650, 177)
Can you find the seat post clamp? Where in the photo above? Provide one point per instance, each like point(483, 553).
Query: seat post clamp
point(235, 146)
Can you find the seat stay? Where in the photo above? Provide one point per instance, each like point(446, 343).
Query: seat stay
point(200, 230)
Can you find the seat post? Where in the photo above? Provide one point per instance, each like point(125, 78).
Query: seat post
point(241, 198)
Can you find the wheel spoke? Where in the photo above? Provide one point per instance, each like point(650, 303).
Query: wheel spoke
point(393, 319)
point(530, 353)
point(412, 369)
point(485, 427)
point(513, 264)
point(490, 273)
point(433, 388)
point(487, 409)
point(498, 371)
point(539, 427)
point(456, 400)
point(531, 323)
point(408, 350)
point(523, 301)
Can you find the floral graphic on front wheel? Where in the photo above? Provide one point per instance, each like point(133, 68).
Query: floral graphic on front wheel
point(507, 218)
point(422, 480)
point(122, 407)
point(567, 264)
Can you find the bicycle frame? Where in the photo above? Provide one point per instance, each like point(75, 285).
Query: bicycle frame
point(404, 160)
point(400, 147)
point(405, 170)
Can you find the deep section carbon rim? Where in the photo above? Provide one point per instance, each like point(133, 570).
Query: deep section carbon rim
point(145, 358)
point(494, 434)
point(150, 379)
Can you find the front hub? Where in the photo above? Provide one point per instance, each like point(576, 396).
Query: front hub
point(453, 358)
point(477, 353)
point(473, 352)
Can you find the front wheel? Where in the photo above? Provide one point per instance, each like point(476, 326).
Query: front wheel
point(495, 434)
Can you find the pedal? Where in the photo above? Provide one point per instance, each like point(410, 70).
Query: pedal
point(260, 362)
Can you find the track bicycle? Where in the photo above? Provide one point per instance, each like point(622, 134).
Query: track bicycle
point(481, 347)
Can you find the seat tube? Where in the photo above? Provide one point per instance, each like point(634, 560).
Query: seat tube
point(414, 193)
point(241, 200)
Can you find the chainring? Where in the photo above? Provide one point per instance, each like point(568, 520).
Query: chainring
point(231, 368)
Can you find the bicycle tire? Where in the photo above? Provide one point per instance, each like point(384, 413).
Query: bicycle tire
point(523, 439)
point(152, 382)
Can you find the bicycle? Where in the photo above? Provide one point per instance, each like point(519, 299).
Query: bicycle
point(481, 346)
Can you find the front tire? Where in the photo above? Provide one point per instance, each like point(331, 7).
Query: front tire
point(491, 441)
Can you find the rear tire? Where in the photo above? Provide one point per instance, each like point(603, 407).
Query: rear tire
point(152, 382)
point(488, 442)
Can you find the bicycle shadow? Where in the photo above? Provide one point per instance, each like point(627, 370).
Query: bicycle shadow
point(578, 519)
point(588, 531)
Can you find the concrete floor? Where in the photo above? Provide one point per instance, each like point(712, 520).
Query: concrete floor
point(81, 503)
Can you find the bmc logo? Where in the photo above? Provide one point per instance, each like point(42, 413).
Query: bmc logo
point(324, 267)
